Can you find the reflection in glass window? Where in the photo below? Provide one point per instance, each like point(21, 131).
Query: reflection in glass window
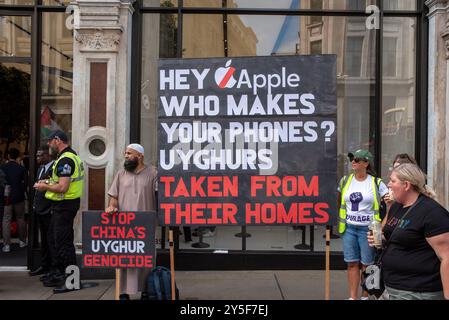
point(399, 4)
point(315, 47)
point(160, 3)
point(62, 3)
point(356, 4)
point(17, 2)
point(399, 94)
point(203, 36)
point(204, 3)
point(389, 56)
point(160, 41)
point(57, 74)
point(14, 106)
point(353, 57)
point(15, 36)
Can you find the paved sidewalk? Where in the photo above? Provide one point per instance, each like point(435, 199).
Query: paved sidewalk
point(195, 285)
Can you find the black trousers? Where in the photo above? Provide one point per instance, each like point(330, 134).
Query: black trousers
point(44, 227)
point(61, 229)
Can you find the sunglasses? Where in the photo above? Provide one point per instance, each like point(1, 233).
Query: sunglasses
point(357, 160)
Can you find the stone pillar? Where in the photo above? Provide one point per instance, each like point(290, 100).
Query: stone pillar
point(438, 104)
point(101, 94)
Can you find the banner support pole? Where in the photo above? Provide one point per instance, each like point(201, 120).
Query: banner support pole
point(328, 250)
point(117, 283)
point(172, 263)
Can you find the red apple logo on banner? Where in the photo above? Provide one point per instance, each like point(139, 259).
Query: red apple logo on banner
point(224, 76)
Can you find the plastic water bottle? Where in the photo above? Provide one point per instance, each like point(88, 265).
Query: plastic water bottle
point(376, 230)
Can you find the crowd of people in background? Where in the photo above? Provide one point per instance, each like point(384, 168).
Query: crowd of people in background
point(13, 185)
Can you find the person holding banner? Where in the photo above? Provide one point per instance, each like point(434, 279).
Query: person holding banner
point(133, 189)
point(360, 196)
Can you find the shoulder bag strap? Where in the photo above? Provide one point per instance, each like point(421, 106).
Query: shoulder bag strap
point(420, 198)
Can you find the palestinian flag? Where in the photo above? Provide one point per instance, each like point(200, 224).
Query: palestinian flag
point(48, 123)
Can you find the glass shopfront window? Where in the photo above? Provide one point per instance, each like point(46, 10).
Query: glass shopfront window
point(203, 36)
point(16, 2)
point(399, 86)
point(359, 123)
point(160, 3)
point(15, 36)
point(62, 3)
point(57, 75)
point(15, 81)
point(302, 4)
point(399, 5)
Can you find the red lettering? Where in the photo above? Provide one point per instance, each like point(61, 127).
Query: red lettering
point(268, 213)
point(197, 213)
point(166, 208)
point(104, 218)
point(308, 190)
point(229, 212)
point(115, 261)
point(290, 217)
point(183, 213)
point(252, 215)
point(140, 232)
point(231, 188)
point(130, 234)
point(289, 186)
point(131, 217)
point(93, 232)
point(256, 184)
point(166, 181)
point(273, 185)
point(196, 187)
point(213, 187)
point(181, 189)
point(305, 213)
point(214, 207)
point(320, 211)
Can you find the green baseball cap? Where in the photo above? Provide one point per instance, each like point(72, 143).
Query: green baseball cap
point(361, 154)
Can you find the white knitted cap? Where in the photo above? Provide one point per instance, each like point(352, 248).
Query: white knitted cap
point(137, 147)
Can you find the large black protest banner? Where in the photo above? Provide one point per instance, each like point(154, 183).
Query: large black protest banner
point(247, 141)
point(120, 240)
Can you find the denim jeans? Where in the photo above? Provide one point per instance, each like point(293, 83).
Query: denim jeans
point(355, 245)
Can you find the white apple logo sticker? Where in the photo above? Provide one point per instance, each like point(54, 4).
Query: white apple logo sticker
point(224, 76)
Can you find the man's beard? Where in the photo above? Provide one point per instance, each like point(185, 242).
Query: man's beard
point(131, 165)
point(53, 151)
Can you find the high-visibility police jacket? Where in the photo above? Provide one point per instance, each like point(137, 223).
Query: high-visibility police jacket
point(344, 185)
point(76, 179)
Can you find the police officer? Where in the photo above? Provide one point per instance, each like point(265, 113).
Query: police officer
point(64, 190)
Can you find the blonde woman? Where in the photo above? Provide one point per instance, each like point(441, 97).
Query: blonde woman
point(416, 260)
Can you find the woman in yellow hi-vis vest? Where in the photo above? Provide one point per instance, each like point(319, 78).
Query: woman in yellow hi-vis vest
point(360, 194)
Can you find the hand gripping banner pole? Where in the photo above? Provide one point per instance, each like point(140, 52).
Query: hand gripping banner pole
point(328, 250)
point(172, 263)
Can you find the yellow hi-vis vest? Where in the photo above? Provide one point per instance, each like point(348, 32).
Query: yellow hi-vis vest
point(76, 180)
point(344, 185)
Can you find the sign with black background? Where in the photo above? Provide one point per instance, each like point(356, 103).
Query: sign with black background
point(120, 240)
point(247, 141)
